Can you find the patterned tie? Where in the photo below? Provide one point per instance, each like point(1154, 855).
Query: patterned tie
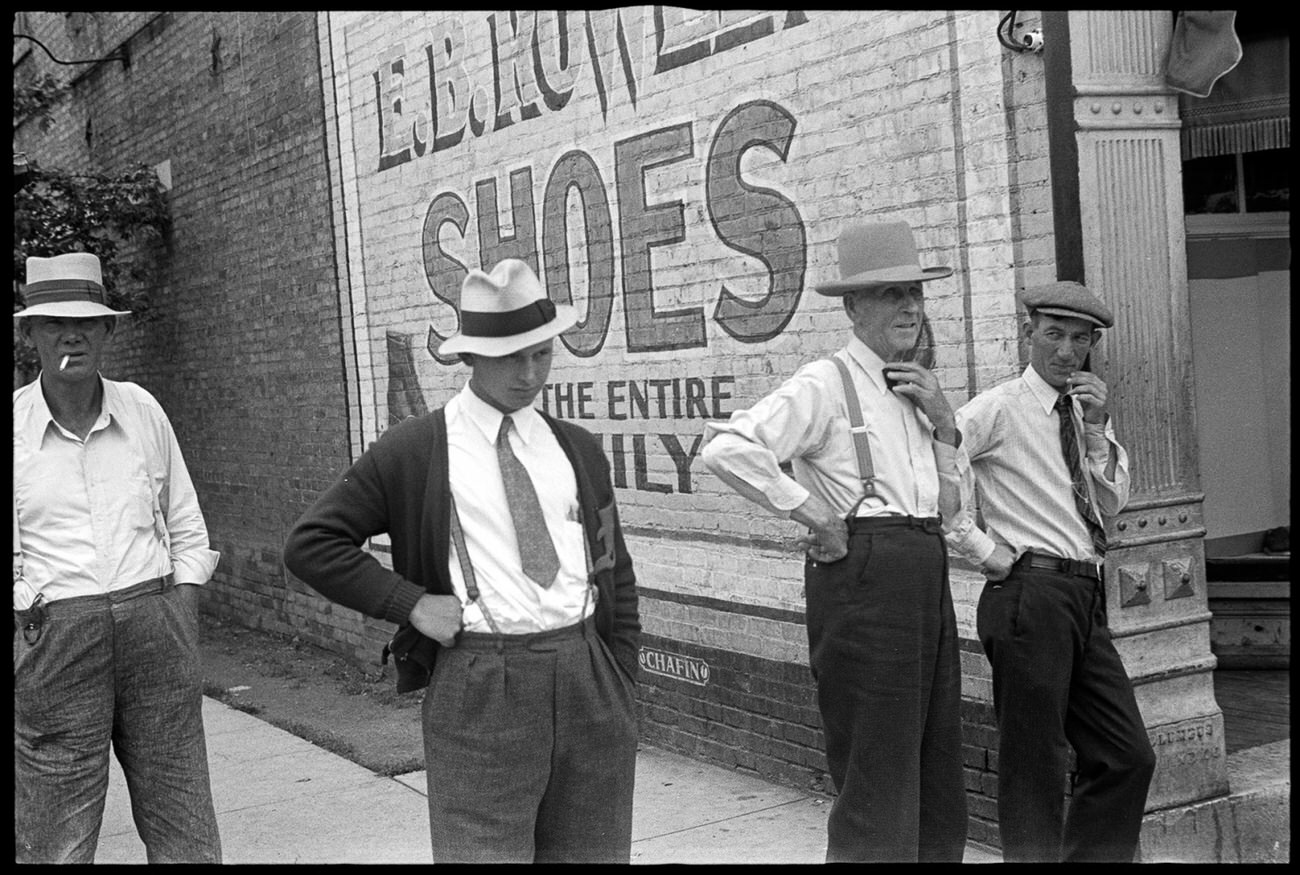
point(1070, 449)
point(536, 551)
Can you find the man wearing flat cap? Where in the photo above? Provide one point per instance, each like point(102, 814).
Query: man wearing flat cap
point(873, 446)
point(110, 547)
point(512, 588)
point(1049, 472)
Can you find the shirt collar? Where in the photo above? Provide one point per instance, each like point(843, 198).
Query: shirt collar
point(39, 417)
point(487, 419)
point(866, 358)
point(1043, 392)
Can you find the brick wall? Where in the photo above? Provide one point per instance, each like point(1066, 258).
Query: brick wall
point(243, 347)
point(681, 177)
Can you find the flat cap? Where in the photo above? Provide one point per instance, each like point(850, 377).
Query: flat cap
point(1068, 299)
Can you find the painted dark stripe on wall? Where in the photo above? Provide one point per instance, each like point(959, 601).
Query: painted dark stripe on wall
point(754, 713)
point(707, 538)
point(761, 611)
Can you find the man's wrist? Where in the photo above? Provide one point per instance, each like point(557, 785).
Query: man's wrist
point(950, 436)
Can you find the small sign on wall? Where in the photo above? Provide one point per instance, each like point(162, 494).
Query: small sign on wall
point(670, 665)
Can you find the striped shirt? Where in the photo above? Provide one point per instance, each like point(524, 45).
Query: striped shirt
point(1011, 435)
point(805, 422)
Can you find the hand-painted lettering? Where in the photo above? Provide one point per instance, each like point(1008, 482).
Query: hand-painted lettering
point(644, 227)
point(757, 221)
point(538, 62)
point(577, 172)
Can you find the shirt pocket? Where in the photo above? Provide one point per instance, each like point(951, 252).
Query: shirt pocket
point(132, 497)
point(571, 547)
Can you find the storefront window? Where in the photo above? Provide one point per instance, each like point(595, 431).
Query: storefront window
point(1236, 142)
point(1250, 182)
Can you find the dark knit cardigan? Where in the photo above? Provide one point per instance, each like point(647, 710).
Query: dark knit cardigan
point(400, 486)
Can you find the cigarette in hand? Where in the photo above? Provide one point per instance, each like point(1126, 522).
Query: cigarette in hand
point(63, 364)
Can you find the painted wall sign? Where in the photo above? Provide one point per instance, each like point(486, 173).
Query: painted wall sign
point(680, 176)
point(670, 665)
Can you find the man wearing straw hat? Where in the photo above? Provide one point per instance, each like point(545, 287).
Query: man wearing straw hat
point(512, 588)
point(873, 446)
point(109, 549)
point(1044, 457)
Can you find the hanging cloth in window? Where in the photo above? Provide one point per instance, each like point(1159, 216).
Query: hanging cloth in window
point(1203, 49)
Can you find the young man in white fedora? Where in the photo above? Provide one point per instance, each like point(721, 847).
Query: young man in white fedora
point(874, 448)
point(110, 547)
point(513, 590)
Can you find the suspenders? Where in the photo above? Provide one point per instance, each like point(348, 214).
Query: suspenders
point(467, 568)
point(866, 471)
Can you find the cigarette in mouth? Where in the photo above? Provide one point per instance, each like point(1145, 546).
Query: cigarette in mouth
point(63, 364)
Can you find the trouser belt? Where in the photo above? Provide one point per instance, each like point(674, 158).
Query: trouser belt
point(928, 524)
point(1076, 567)
point(527, 640)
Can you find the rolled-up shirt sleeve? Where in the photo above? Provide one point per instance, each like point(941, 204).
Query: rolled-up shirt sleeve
point(747, 451)
point(1099, 442)
point(947, 466)
point(975, 422)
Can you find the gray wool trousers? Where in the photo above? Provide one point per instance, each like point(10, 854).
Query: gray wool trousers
point(530, 747)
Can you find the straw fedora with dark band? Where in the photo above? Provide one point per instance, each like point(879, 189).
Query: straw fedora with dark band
point(875, 254)
point(69, 285)
point(505, 311)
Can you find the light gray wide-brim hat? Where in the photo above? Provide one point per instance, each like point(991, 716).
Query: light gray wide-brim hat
point(70, 286)
point(505, 311)
point(874, 254)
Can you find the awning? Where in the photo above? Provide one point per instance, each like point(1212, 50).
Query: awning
point(1249, 109)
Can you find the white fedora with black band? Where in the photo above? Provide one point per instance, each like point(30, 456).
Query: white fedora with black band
point(70, 286)
point(505, 311)
point(872, 255)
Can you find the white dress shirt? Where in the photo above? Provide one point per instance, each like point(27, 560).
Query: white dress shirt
point(516, 603)
point(805, 422)
point(1011, 435)
point(107, 512)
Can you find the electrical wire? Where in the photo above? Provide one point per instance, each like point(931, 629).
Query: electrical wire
point(126, 61)
point(1008, 24)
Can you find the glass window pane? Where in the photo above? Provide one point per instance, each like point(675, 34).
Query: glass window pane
point(1268, 181)
point(1210, 185)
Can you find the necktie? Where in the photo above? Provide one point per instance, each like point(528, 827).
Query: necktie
point(1070, 449)
point(536, 551)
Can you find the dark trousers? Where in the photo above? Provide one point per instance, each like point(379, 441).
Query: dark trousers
point(530, 744)
point(1057, 679)
point(119, 670)
point(882, 641)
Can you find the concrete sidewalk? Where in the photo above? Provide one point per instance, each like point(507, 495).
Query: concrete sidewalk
point(281, 799)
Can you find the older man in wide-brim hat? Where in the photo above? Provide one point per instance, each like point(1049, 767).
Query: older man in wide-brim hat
point(512, 588)
point(874, 447)
point(110, 547)
point(1050, 471)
